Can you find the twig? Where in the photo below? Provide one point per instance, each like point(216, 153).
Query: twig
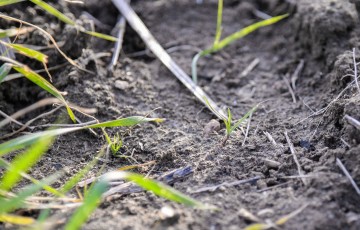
point(247, 130)
point(27, 124)
point(295, 75)
point(66, 125)
point(250, 67)
point(345, 143)
point(355, 70)
point(292, 150)
point(347, 174)
point(226, 184)
point(272, 187)
point(12, 119)
point(118, 45)
point(271, 139)
point(353, 121)
point(290, 89)
point(136, 23)
point(41, 103)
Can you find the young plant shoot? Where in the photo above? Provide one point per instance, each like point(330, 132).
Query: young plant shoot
point(220, 44)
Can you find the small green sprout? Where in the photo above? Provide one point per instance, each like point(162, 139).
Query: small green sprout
point(115, 143)
point(228, 123)
point(219, 43)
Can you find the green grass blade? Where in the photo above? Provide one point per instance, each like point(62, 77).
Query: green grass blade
point(247, 30)
point(40, 81)
point(129, 121)
point(8, 2)
point(48, 188)
point(163, 190)
point(24, 141)
point(14, 31)
point(51, 10)
point(219, 22)
point(28, 52)
point(23, 162)
point(15, 219)
point(4, 71)
point(100, 35)
point(78, 176)
point(91, 201)
point(241, 120)
point(8, 205)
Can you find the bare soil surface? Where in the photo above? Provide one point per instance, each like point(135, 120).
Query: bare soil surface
point(320, 34)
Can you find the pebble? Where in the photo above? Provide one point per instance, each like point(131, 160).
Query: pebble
point(122, 85)
point(271, 164)
point(212, 126)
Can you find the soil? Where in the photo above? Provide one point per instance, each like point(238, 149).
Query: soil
point(321, 34)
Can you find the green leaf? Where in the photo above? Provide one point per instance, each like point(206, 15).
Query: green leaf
point(51, 10)
point(129, 121)
point(4, 70)
point(8, 205)
point(219, 22)
point(245, 31)
point(79, 175)
point(8, 2)
point(24, 141)
point(28, 52)
point(67, 20)
point(91, 201)
point(40, 81)
point(163, 190)
point(14, 31)
point(241, 120)
point(48, 188)
point(23, 162)
point(14, 219)
point(100, 35)
point(158, 188)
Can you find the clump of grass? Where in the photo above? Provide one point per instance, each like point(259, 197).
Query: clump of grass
point(220, 44)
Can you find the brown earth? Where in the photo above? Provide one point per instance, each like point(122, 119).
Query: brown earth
point(322, 33)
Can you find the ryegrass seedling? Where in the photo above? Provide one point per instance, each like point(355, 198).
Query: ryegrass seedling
point(115, 143)
point(230, 127)
point(220, 44)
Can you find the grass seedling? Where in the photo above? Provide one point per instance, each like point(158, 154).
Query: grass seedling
point(115, 143)
point(230, 127)
point(220, 44)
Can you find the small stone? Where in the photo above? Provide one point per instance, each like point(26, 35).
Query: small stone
point(212, 126)
point(122, 85)
point(166, 212)
point(261, 184)
point(271, 164)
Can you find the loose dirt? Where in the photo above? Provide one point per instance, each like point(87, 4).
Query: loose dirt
point(320, 34)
